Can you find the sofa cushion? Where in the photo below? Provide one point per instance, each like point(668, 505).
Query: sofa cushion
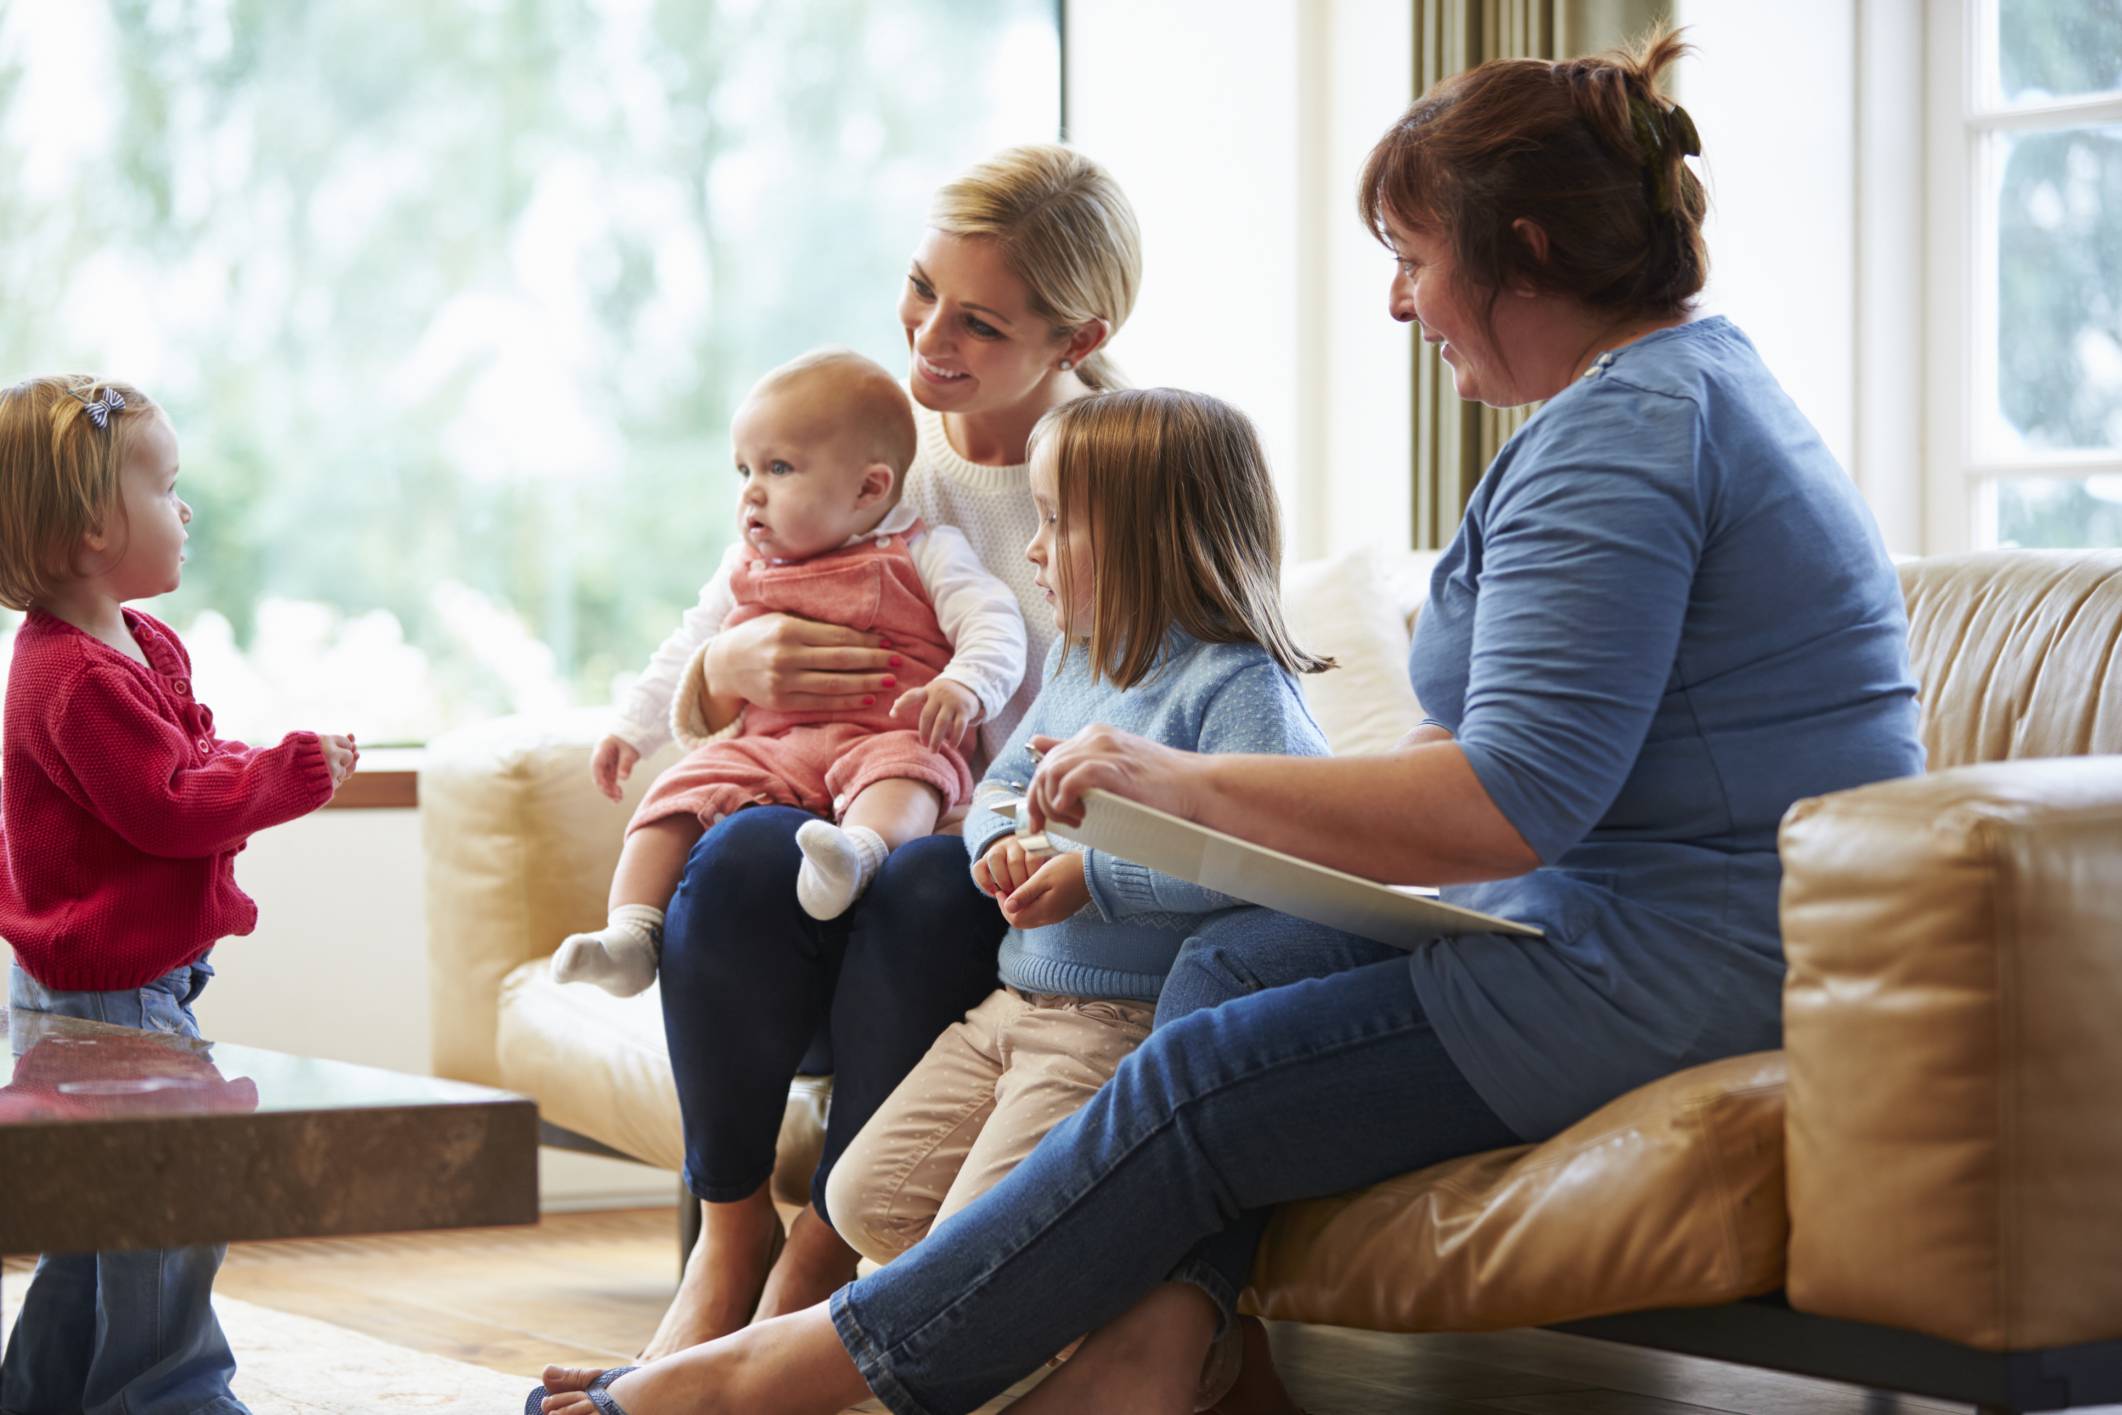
point(596, 1063)
point(1670, 1196)
point(2015, 652)
point(1349, 608)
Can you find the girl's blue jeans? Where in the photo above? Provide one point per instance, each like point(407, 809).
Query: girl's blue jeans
point(120, 1333)
point(755, 990)
point(1289, 1061)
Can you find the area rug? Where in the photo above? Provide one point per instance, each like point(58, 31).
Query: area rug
point(290, 1365)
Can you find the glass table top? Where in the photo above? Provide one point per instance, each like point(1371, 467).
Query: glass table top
point(58, 1069)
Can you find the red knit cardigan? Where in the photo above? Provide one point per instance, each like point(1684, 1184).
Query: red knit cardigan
point(121, 812)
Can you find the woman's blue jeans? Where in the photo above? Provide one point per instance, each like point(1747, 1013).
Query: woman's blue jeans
point(1289, 1061)
point(131, 1333)
point(755, 990)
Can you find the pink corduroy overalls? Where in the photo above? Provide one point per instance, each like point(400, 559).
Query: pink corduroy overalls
point(820, 760)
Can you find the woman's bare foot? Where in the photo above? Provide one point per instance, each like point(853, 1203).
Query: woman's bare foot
point(1147, 1361)
point(791, 1365)
point(814, 1265)
point(1259, 1390)
point(724, 1275)
point(563, 1390)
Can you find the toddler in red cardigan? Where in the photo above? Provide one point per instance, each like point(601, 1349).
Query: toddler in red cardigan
point(121, 813)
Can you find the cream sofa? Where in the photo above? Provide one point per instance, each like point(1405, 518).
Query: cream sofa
point(1924, 1181)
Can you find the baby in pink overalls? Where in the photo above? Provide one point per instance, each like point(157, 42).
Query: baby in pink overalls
point(822, 447)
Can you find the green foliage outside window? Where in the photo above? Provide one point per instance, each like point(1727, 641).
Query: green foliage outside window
point(2059, 273)
point(450, 303)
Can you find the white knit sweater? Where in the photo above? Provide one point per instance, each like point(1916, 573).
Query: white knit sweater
point(992, 508)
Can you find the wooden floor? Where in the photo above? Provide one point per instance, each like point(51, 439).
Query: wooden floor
point(585, 1289)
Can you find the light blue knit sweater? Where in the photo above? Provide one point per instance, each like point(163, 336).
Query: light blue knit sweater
point(1202, 697)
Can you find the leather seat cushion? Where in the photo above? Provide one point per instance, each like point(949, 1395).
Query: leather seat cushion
point(1669, 1196)
point(596, 1063)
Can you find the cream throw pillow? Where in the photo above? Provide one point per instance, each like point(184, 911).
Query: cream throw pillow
point(1349, 608)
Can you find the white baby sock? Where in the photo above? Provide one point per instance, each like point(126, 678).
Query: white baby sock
point(621, 957)
point(838, 864)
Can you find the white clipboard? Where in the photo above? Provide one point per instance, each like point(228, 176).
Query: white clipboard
point(1404, 916)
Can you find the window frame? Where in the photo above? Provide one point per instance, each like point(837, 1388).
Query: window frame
point(1964, 111)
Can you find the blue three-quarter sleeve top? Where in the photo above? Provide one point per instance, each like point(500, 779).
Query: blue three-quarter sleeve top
point(1667, 616)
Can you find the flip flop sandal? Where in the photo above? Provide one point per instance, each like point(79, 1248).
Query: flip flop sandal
point(1226, 1359)
point(599, 1394)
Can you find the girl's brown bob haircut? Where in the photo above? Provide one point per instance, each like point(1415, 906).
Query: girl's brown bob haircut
point(1585, 149)
point(58, 476)
point(1183, 526)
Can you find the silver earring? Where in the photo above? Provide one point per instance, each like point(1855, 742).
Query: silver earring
point(1067, 364)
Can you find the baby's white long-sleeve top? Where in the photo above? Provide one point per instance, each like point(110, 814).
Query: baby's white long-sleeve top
point(978, 613)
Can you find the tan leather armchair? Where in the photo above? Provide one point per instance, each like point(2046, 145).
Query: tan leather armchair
point(1934, 1154)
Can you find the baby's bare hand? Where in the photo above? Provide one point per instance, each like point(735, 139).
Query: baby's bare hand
point(612, 763)
point(942, 712)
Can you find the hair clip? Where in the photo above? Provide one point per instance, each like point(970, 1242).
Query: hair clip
point(1648, 130)
point(1681, 129)
point(100, 409)
point(1656, 131)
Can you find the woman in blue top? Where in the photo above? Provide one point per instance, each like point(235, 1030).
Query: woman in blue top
point(1666, 617)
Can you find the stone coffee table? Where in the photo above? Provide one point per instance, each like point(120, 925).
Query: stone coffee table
point(113, 1138)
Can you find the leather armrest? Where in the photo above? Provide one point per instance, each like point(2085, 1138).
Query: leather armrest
point(1953, 1024)
point(519, 849)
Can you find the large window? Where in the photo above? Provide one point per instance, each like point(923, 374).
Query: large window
point(2026, 308)
point(450, 303)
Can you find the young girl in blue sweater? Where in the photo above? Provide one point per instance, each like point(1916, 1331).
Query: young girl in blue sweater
point(1159, 550)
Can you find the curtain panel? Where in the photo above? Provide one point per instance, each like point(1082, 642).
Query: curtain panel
point(1454, 440)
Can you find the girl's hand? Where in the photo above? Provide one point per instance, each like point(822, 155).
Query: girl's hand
point(1055, 892)
point(612, 763)
point(948, 709)
point(793, 665)
point(340, 755)
point(1105, 758)
point(1005, 868)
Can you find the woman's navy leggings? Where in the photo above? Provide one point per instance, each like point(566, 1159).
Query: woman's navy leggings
point(756, 991)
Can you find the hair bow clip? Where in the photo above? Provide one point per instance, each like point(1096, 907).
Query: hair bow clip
point(1681, 129)
point(1660, 132)
point(100, 409)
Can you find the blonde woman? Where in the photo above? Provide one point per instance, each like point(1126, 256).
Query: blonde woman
point(1028, 268)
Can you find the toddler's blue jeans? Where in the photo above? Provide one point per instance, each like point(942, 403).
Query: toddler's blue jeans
point(120, 1333)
